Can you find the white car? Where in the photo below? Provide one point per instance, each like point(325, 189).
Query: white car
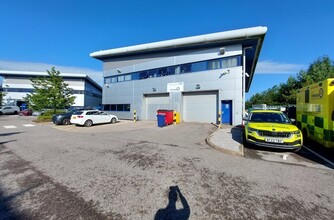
point(88, 118)
point(6, 110)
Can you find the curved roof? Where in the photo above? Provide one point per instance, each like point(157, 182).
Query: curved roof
point(234, 35)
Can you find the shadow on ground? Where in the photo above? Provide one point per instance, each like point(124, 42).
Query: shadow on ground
point(170, 212)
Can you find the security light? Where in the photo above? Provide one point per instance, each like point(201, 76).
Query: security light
point(222, 50)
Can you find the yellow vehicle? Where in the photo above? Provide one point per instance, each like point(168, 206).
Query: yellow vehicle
point(315, 112)
point(270, 128)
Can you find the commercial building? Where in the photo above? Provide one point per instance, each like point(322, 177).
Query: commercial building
point(198, 76)
point(17, 84)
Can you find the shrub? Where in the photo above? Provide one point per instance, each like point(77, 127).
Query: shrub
point(47, 116)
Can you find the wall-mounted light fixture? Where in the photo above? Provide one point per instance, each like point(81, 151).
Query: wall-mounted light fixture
point(222, 50)
point(154, 89)
point(119, 71)
point(107, 85)
point(198, 86)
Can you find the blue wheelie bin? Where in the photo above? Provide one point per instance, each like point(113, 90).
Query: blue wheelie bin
point(161, 120)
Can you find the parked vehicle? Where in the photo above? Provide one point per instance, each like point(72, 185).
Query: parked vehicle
point(88, 118)
point(26, 112)
point(270, 128)
point(315, 112)
point(7, 110)
point(63, 118)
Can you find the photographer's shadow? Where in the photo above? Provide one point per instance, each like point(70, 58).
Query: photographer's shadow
point(170, 212)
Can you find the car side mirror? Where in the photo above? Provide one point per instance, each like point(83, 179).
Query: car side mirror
point(293, 120)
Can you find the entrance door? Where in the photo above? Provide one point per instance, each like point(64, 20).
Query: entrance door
point(227, 112)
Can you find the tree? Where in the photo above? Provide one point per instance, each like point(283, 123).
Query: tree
point(285, 93)
point(3, 93)
point(50, 92)
point(319, 70)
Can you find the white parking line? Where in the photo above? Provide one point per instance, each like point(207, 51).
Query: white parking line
point(318, 155)
point(28, 125)
point(9, 126)
point(285, 156)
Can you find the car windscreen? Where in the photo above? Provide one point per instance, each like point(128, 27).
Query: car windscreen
point(270, 117)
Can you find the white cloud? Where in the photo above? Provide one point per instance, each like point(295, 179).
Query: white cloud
point(97, 76)
point(269, 66)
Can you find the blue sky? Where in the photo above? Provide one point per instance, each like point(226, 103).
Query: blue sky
point(38, 34)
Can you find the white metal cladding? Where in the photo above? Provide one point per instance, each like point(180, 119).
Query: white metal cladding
point(155, 102)
point(200, 107)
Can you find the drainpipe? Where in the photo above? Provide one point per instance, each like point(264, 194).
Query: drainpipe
point(244, 74)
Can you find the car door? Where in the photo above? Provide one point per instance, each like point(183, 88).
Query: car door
point(105, 118)
point(95, 117)
point(8, 110)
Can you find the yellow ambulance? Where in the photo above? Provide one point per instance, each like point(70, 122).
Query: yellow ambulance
point(315, 112)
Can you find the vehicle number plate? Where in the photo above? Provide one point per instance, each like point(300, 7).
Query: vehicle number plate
point(74, 117)
point(274, 140)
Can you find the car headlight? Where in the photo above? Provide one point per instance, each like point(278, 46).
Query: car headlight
point(252, 130)
point(297, 133)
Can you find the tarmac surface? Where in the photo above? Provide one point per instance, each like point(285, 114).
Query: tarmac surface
point(139, 171)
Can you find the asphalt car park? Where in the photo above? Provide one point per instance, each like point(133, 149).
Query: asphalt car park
point(136, 170)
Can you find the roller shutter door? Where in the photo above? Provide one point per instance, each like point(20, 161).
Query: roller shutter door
point(155, 102)
point(200, 107)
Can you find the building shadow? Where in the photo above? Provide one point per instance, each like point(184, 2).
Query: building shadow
point(10, 133)
point(8, 208)
point(5, 142)
point(170, 212)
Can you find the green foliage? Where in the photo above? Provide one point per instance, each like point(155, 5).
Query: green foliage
point(2, 96)
point(50, 92)
point(285, 93)
point(51, 112)
point(47, 116)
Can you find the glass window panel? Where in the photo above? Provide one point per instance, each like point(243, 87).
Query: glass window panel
point(230, 62)
point(120, 78)
point(162, 71)
point(107, 80)
point(135, 76)
point(127, 77)
point(143, 74)
point(199, 66)
point(112, 107)
point(119, 108)
point(171, 70)
point(106, 107)
point(214, 64)
point(114, 79)
point(185, 68)
point(177, 70)
point(153, 73)
point(127, 107)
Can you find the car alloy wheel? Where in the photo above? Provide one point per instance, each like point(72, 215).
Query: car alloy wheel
point(66, 121)
point(88, 123)
point(113, 120)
